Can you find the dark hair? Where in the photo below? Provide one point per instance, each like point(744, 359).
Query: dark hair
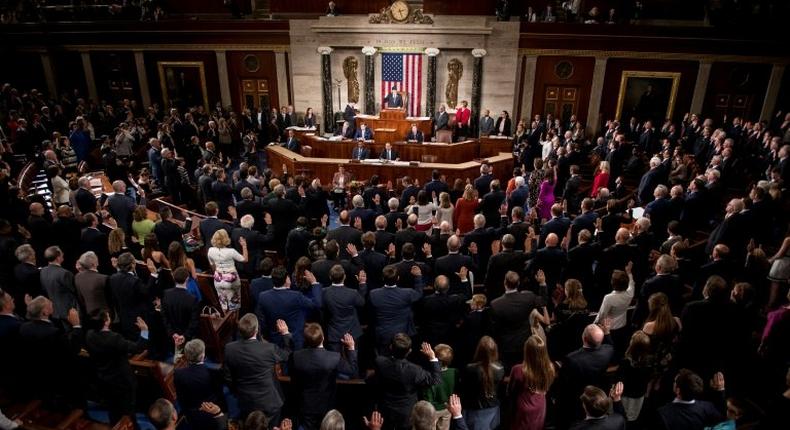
point(422, 198)
point(313, 335)
point(400, 345)
point(689, 385)
point(408, 251)
point(331, 249)
point(620, 280)
point(256, 420)
point(180, 275)
point(337, 274)
point(595, 401)
point(279, 274)
point(390, 275)
point(265, 266)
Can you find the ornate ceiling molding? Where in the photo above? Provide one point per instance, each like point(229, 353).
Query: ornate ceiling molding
point(645, 55)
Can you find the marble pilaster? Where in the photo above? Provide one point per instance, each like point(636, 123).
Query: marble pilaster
point(326, 87)
point(370, 79)
point(430, 83)
point(477, 85)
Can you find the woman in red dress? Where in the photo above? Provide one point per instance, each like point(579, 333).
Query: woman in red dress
point(601, 179)
point(465, 210)
point(529, 383)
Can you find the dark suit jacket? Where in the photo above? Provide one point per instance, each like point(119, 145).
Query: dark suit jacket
point(86, 201)
point(93, 239)
point(393, 311)
point(660, 213)
point(368, 217)
point(59, 285)
point(483, 184)
point(121, 207)
point(440, 313)
point(650, 180)
point(344, 235)
point(406, 195)
point(292, 144)
point(393, 155)
point(314, 372)
point(572, 194)
point(341, 306)
point(510, 315)
point(393, 100)
point(410, 235)
point(132, 298)
point(196, 384)
point(498, 266)
point(680, 416)
point(558, 226)
point(482, 237)
point(180, 312)
point(614, 421)
point(552, 260)
point(507, 128)
point(249, 372)
point(489, 207)
point(168, 232)
point(585, 221)
point(289, 306)
point(209, 226)
point(392, 218)
point(360, 153)
point(451, 264)
point(367, 135)
point(47, 357)
point(256, 243)
point(28, 281)
point(419, 137)
point(373, 262)
point(668, 284)
point(397, 382)
point(110, 353)
point(585, 366)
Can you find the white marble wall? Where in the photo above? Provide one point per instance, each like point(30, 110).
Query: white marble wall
point(455, 36)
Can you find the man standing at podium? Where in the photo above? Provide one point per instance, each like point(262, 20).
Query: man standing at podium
point(393, 99)
point(463, 117)
point(388, 153)
point(364, 133)
point(415, 134)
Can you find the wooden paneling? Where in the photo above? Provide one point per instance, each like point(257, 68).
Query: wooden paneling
point(193, 7)
point(69, 73)
point(736, 90)
point(267, 70)
point(615, 67)
point(547, 76)
point(115, 74)
point(346, 7)
point(209, 60)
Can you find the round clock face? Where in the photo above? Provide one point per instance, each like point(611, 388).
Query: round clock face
point(563, 69)
point(251, 63)
point(399, 10)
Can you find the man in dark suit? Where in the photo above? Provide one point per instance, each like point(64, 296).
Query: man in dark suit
point(503, 125)
point(372, 260)
point(660, 212)
point(94, 240)
point(688, 411)
point(363, 133)
point(257, 242)
point(132, 297)
point(9, 338)
point(664, 282)
point(345, 234)
point(441, 312)
point(366, 216)
point(409, 190)
point(572, 193)
point(121, 206)
point(59, 284)
point(392, 306)
point(393, 99)
point(346, 131)
point(650, 180)
point(483, 182)
point(398, 380)
point(249, 369)
point(284, 213)
point(394, 214)
point(510, 315)
point(551, 259)
point(404, 267)
point(584, 221)
point(482, 237)
point(350, 115)
point(501, 263)
point(695, 214)
point(596, 408)
point(583, 367)
point(518, 198)
point(292, 143)
point(450, 267)
point(415, 134)
point(441, 120)
point(648, 140)
point(388, 153)
point(558, 224)
point(211, 224)
point(180, 309)
point(409, 234)
point(283, 303)
point(314, 371)
point(198, 385)
point(167, 231)
point(341, 305)
point(360, 152)
point(733, 231)
point(436, 185)
point(491, 203)
point(86, 201)
point(27, 276)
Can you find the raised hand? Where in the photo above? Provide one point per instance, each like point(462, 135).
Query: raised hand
point(242, 242)
point(629, 267)
point(391, 249)
point(267, 218)
point(151, 266)
point(178, 340)
point(415, 271)
point(348, 341)
point(717, 383)
point(324, 220)
point(473, 248)
point(210, 408)
point(285, 424)
point(140, 323)
point(232, 212)
point(454, 406)
point(540, 277)
point(426, 349)
point(375, 422)
point(399, 224)
point(310, 277)
point(426, 249)
point(282, 327)
point(73, 317)
point(351, 248)
point(616, 393)
point(362, 277)
point(358, 223)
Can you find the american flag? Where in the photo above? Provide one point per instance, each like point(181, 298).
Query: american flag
point(405, 72)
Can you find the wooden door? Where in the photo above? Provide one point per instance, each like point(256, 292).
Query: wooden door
point(561, 102)
point(255, 94)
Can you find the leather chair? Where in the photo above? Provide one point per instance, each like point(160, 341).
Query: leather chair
point(428, 158)
point(306, 151)
point(444, 136)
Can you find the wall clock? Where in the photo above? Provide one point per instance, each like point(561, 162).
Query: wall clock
point(563, 69)
point(399, 11)
point(251, 63)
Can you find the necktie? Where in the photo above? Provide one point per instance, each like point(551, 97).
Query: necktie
point(388, 155)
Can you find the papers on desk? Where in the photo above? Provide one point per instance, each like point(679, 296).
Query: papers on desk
point(637, 213)
point(337, 138)
point(499, 137)
point(295, 128)
point(394, 163)
point(363, 116)
point(418, 118)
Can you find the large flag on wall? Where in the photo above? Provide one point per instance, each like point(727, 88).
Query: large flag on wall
point(405, 72)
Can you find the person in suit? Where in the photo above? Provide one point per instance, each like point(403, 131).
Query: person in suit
point(9, 338)
point(572, 193)
point(501, 263)
point(510, 318)
point(733, 231)
point(27, 275)
point(392, 306)
point(249, 368)
point(436, 185)
point(59, 283)
point(366, 216)
point(345, 234)
point(441, 312)
point(167, 231)
point(503, 125)
point(663, 282)
point(586, 220)
point(486, 126)
point(346, 131)
point(482, 237)
point(92, 286)
point(132, 296)
point(340, 181)
point(292, 143)
point(551, 259)
point(398, 380)
point(373, 260)
point(441, 120)
point(688, 411)
point(199, 389)
point(257, 242)
point(350, 115)
point(491, 203)
point(288, 305)
point(180, 310)
point(211, 224)
point(85, 201)
point(363, 133)
point(109, 353)
point(389, 154)
point(332, 10)
point(360, 152)
point(393, 98)
point(94, 240)
point(450, 267)
point(596, 408)
point(583, 367)
point(341, 305)
point(410, 189)
point(650, 180)
point(558, 224)
point(314, 371)
point(121, 206)
point(660, 212)
point(483, 182)
point(415, 134)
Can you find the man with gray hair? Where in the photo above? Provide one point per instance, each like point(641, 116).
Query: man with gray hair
point(84, 198)
point(256, 243)
point(59, 283)
point(394, 215)
point(133, 297)
point(478, 241)
point(366, 216)
point(155, 160)
point(665, 281)
point(121, 206)
point(26, 274)
point(452, 265)
point(91, 285)
point(660, 212)
point(199, 389)
point(650, 180)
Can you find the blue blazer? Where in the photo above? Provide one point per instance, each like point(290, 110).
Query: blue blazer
point(393, 310)
point(360, 153)
point(290, 306)
point(367, 136)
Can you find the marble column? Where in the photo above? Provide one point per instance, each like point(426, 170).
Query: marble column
point(326, 88)
point(222, 75)
point(596, 91)
point(701, 86)
point(772, 92)
point(142, 79)
point(87, 68)
point(49, 75)
point(282, 79)
point(477, 87)
point(370, 78)
point(529, 86)
point(430, 85)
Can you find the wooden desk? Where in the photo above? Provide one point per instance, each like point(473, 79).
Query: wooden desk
point(459, 152)
point(490, 146)
point(325, 168)
point(393, 125)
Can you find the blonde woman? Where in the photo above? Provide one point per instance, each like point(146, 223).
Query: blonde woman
point(601, 179)
point(223, 260)
point(445, 210)
point(529, 383)
point(465, 210)
point(141, 225)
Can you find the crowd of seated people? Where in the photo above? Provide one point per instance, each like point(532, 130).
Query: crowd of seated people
point(520, 299)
